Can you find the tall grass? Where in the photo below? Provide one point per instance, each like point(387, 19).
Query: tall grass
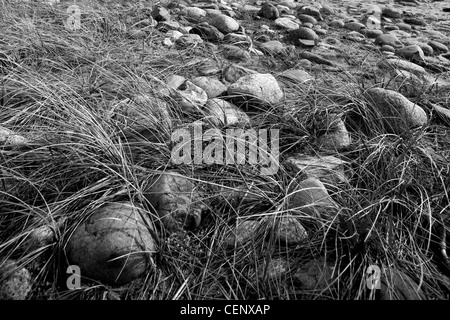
point(98, 127)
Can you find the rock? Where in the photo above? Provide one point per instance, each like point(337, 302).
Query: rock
point(159, 13)
point(387, 48)
point(240, 40)
point(193, 14)
point(212, 86)
point(222, 113)
point(269, 11)
point(304, 18)
point(403, 65)
point(354, 36)
point(314, 275)
point(442, 112)
point(404, 26)
point(327, 10)
point(276, 270)
point(15, 282)
point(165, 26)
point(396, 109)
point(290, 231)
point(325, 168)
point(337, 24)
point(286, 23)
point(301, 33)
point(427, 49)
point(235, 53)
point(375, 11)
point(413, 53)
point(189, 96)
point(389, 39)
point(372, 23)
point(312, 11)
point(355, 26)
point(438, 47)
point(8, 136)
point(39, 237)
point(233, 72)
point(391, 12)
point(272, 47)
point(297, 76)
point(396, 285)
point(261, 87)
point(174, 35)
point(315, 58)
point(415, 21)
point(188, 40)
point(371, 33)
point(224, 23)
point(207, 32)
point(310, 197)
point(175, 199)
point(114, 244)
point(175, 81)
point(243, 232)
point(338, 137)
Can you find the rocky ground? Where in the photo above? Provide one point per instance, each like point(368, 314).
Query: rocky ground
point(353, 171)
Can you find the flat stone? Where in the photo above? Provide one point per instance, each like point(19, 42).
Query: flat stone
point(286, 23)
point(298, 76)
point(310, 197)
point(222, 113)
point(262, 87)
point(273, 47)
point(212, 86)
point(325, 168)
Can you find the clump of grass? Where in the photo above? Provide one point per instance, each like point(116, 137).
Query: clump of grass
point(98, 128)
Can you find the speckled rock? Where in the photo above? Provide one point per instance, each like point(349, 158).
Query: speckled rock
point(174, 197)
point(114, 245)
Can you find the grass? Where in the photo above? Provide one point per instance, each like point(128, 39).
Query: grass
point(98, 129)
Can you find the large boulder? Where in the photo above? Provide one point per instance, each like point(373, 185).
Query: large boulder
point(114, 245)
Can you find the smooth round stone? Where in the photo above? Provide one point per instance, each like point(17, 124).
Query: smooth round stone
point(307, 25)
point(321, 32)
point(404, 26)
point(427, 49)
point(355, 26)
point(304, 18)
point(337, 24)
point(371, 34)
point(438, 47)
point(387, 48)
point(391, 27)
point(392, 12)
